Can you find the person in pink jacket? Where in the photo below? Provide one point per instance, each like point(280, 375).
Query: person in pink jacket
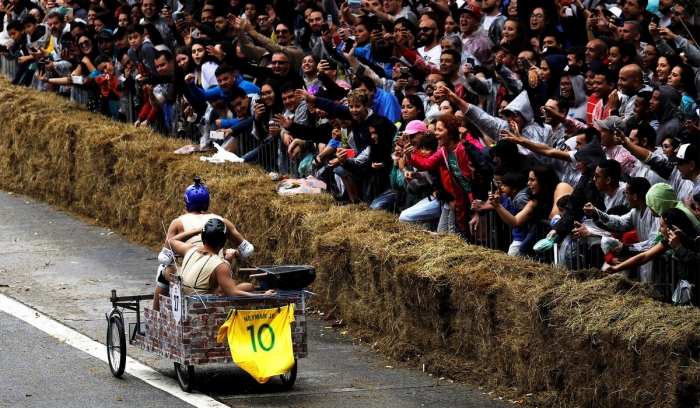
point(457, 157)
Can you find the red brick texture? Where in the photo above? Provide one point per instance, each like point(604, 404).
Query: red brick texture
point(193, 340)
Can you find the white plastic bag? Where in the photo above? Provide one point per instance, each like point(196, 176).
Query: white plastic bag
point(683, 293)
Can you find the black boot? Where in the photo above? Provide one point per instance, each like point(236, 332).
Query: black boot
point(341, 197)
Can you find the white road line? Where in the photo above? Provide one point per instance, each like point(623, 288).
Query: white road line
point(99, 351)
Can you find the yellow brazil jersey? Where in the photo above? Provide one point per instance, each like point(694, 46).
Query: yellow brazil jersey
point(260, 340)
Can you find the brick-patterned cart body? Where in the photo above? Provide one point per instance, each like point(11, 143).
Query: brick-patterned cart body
point(192, 341)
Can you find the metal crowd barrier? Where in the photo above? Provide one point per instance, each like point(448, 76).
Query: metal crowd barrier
point(493, 233)
point(8, 67)
point(269, 152)
point(668, 271)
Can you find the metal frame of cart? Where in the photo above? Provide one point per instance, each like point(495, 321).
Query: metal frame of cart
point(192, 340)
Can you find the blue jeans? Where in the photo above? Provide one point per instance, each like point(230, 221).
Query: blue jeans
point(251, 156)
point(448, 223)
point(384, 201)
point(424, 210)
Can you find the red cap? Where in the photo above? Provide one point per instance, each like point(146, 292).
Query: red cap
point(470, 8)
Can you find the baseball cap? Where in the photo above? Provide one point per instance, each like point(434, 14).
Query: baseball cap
point(686, 152)
point(417, 74)
point(505, 47)
point(104, 35)
point(415, 126)
point(570, 70)
point(611, 123)
point(471, 9)
point(402, 60)
point(596, 66)
point(119, 33)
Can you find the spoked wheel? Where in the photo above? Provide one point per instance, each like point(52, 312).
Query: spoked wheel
point(185, 376)
point(290, 378)
point(116, 345)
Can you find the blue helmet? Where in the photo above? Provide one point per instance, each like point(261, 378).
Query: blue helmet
point(197, 196)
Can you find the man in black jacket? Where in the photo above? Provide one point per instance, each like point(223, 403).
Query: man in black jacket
point(587, 159)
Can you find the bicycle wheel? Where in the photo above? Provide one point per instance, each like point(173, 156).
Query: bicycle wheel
point(185, 377)
point(116, 345)
point(290, 378)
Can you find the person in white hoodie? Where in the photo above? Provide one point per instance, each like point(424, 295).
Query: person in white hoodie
point(520, 111)
point(573, 88)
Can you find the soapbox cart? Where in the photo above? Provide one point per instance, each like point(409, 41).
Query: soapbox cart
point(188, 335)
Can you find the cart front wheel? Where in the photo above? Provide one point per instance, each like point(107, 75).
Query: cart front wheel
point(290, 378)
point(116, 345)
point(185, 376)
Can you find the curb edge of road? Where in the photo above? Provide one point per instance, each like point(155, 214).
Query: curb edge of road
point(97, 350)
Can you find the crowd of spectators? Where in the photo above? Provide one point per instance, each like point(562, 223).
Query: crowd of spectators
point(582, 113)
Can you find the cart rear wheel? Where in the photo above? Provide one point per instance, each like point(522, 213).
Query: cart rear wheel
point(290, 378)
point(185, 376)
point(116, 345)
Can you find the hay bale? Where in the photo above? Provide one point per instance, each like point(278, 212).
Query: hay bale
point(469, 313)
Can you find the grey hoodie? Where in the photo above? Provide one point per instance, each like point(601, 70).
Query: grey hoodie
point(669, 124)
point(491, 126)
point(489, 87)
point(579, 110)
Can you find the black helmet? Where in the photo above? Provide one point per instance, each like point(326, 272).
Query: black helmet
point(214, 232)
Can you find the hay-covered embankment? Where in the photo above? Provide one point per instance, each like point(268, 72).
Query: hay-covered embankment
point(463, 311)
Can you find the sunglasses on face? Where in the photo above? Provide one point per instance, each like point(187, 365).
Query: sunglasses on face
point(538, 15)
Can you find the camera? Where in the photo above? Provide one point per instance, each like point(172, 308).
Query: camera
point(332, 65)
point(325, 28)
point(404, 73)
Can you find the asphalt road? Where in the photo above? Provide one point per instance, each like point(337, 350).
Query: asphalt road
point(41, 370)
point(65, 269)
